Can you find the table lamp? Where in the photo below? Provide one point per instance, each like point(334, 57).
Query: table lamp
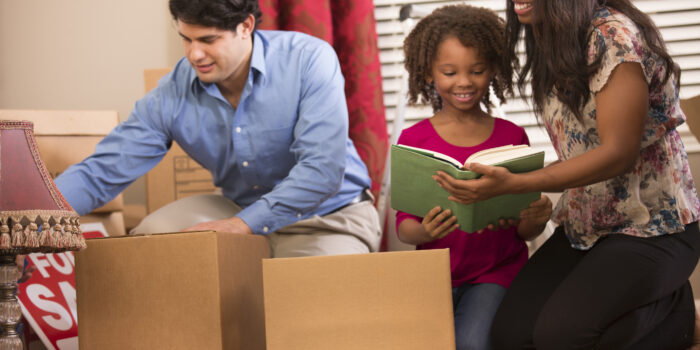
point(34, 218)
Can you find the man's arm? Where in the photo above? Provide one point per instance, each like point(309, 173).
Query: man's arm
point(127, 152)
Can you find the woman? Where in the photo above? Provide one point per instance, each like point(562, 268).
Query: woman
point(614, 275)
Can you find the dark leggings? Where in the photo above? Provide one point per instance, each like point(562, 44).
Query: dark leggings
point(624, 293)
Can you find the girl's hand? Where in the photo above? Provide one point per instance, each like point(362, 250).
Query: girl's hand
point(533, 219)
point(438, 223)
point(495, 180)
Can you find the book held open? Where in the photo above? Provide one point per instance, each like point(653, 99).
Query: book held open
point(415, 192)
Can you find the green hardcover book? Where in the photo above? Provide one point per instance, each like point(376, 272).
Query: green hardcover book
point(415, 192)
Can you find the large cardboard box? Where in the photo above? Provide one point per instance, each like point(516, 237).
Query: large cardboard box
point(188, 290)
point(67, 137)
point(395, 300)
point(177, 175)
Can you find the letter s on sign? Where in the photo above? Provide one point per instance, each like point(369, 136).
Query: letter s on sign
point(35, 292)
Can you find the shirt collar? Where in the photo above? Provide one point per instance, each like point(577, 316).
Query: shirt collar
point(257, 60)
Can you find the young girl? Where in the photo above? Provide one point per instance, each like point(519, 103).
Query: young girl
point(615, 273)
point(452, 57)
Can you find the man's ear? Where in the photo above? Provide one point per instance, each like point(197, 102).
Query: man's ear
point(245, 28)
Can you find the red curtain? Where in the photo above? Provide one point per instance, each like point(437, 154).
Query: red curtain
point(349, 26)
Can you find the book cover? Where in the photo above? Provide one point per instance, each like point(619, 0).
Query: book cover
point(415, 192)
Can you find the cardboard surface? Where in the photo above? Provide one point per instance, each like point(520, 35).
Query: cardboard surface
point(67, 137)
point(177, 175)
point(395, 300)
point(691, 108)
point(191, 290)
point(113, 222)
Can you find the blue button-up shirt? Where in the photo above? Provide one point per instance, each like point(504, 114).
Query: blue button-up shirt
point(283, 154)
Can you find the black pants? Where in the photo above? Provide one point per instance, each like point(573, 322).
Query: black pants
point(624, 293)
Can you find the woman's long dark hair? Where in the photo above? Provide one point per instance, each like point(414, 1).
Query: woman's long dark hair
point(556, 45)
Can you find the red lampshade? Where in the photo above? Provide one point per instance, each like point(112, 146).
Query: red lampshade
point(29, 199)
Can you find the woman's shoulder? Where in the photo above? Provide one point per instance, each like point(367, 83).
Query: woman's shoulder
point(612, 25)
point(607, 17)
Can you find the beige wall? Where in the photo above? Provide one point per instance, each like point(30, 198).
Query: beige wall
point(83, 54)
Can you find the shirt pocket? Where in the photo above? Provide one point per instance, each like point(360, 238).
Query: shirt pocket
point(271, 149)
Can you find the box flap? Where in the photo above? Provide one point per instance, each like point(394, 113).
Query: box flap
point(149, 292)
point(240, 273)
point(396, 300)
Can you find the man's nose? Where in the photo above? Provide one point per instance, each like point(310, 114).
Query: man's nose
point(195, 52)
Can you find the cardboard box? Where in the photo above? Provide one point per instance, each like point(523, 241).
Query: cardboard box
point(113, 222)
point(67, 137)
point(177, 175)
point(395, 300)
point(189, 290)
point(691, 108)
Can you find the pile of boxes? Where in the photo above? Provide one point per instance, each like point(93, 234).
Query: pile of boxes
point(217, 290)
point(213, 290)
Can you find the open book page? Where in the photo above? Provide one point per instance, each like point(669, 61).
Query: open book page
point(433, 154)
point(501, 154)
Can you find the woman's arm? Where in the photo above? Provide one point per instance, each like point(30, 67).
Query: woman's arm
point(622, 107)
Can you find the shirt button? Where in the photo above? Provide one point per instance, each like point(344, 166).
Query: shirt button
point(245, 163)
point(299, 215)
point(265, 229)
point(238, 129)
point(255, 187)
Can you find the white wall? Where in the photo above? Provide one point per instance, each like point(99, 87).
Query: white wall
point(82, 54)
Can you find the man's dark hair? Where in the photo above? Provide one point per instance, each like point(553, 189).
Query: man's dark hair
point(221, 14)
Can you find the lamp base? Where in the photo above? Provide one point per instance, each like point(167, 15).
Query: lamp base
point(10, 311)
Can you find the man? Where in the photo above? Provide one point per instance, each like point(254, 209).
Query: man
point(265, 112)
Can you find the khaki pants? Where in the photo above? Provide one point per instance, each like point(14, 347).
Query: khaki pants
point(351, 230)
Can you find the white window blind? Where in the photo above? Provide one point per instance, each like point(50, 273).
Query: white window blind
point(679, 22)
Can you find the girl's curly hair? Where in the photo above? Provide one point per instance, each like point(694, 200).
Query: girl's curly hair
point(475, 27)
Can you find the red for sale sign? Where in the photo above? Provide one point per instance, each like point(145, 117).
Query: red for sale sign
point(48, 298)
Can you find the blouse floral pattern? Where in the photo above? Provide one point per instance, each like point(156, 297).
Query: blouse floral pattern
point(658, 195)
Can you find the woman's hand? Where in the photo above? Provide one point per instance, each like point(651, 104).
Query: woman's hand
point(494, 181)
point(534, 218)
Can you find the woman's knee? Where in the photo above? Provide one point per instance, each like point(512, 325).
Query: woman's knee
point(508, 333)
point(563, 330)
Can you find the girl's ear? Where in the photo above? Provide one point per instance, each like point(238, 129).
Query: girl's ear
point(428, 79)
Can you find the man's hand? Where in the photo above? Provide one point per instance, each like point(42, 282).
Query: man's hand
point(234, 225)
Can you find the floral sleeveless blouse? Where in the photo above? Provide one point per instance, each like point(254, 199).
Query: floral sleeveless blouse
point(658, 195)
